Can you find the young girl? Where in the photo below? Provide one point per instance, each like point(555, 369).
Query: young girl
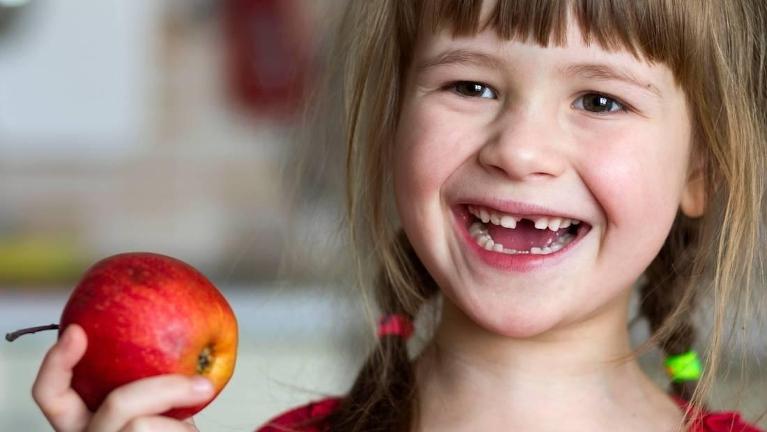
point(521, 165)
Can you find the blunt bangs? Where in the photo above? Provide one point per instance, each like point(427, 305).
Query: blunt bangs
point(659, 31)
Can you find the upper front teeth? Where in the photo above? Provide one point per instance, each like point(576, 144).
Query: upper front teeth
point(542, 223)
point(510, 221)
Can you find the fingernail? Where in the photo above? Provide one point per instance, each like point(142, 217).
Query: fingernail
point(201, 385)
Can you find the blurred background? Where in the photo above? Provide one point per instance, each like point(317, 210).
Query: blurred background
point(171, 126)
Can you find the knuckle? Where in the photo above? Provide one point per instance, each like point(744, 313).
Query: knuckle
point(44, 403)
point(55, 413)
point(52, 411)
point(44, 374)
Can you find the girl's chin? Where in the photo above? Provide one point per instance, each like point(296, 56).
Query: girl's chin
point(499, 319)
point(520, 327)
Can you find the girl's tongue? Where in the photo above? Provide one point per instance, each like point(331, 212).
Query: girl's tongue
point(524, 236)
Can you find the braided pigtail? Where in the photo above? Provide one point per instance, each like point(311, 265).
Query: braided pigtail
point(667, 300)
point(383, 395)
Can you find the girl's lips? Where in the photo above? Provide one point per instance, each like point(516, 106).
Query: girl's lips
point(507, 262)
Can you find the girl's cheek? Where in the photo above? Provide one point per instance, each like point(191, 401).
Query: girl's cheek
point(409, 148)
point(429, 147)
point(636, 177)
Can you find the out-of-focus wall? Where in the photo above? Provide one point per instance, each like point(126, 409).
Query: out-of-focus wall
point(141, 126)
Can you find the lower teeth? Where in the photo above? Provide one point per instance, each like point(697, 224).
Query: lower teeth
point(480, 234)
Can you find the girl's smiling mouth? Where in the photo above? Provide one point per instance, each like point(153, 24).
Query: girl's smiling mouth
point(520, 240)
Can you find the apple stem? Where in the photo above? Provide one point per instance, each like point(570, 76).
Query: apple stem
point(10, 337)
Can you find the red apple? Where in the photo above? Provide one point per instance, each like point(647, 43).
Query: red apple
point(147, 314)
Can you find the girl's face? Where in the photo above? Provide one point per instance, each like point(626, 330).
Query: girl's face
point(537, 136)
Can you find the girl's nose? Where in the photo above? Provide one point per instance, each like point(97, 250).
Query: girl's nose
point(525, 148)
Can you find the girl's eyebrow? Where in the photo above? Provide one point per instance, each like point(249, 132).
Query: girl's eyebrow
point(607, 72)
point(461, 57)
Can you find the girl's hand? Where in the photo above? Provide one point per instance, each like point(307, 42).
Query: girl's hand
point(131, 407)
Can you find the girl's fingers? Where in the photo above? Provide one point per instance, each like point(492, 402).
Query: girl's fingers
point(52, 391)
point(149, 397)
point(157, 423)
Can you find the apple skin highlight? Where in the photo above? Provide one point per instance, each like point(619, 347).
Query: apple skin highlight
point(147, 314)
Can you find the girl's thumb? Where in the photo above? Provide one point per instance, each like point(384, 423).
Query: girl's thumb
point(73, 340)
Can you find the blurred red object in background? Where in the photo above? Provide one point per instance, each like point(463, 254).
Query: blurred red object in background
point(269, 55)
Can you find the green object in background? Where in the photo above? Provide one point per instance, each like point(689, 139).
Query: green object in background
point(684, 367)
point(39, 259)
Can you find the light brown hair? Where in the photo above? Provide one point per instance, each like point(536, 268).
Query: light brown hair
point(717, 52)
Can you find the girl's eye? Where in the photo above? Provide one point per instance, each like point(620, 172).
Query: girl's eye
point(598, 103)
point(473, 89)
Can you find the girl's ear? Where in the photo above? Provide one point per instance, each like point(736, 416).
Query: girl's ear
point(693, 201)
